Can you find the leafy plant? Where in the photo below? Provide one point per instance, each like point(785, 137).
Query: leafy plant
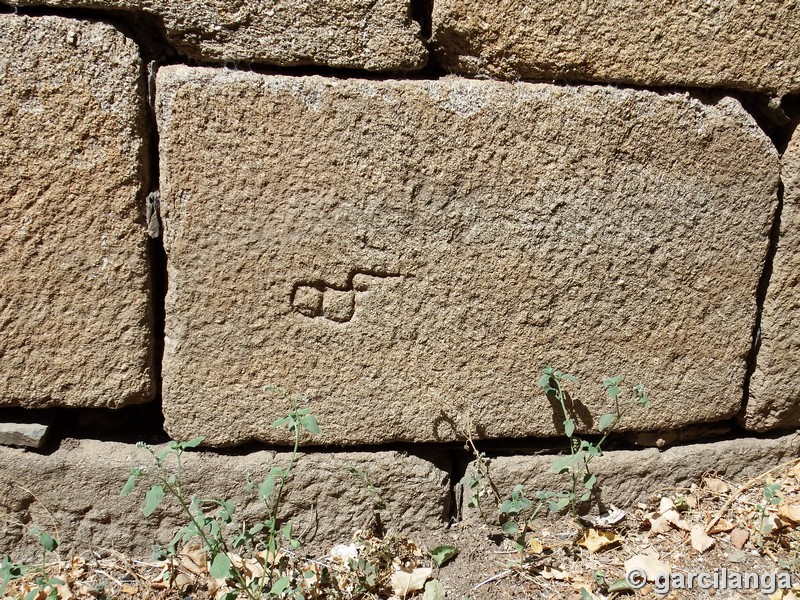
point(478, 480)
point(44, 585)
point(771, 498)
point(576, 463)
point(214, 521)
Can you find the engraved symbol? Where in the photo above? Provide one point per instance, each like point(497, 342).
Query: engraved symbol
point(318, 299)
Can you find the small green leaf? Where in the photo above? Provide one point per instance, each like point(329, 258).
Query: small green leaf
point(220, 566)
point(569, 427)
point(32, 595)
point(681, 503)
point(193, 443)
point(544, 383)
point(612, 381)
point(571, 378)
point(562, 464)
point(281, 422)
point(266, 487)
point(434, 590)
point(152, 499)
point(48, 542)
point(585, 595)
point(620, 585)
point(279, 586)
point(557, 505)
point(443, 554)
point(229, 506)
point(510, 527)
point(309, 422)
point(613, 391)
point(589, 481)
point(606, 421)
point(128, 487)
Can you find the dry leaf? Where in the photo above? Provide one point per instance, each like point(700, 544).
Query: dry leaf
point(721, 526)
point(666, 517)
point(716, 485)
point(650, 566)
point(772, 524)
point(194, 562)
point(403, 582)
point(700, 540)
point(594, 540)
point(252, 569)
point(739, 538)
point(551, 573)
point(535, 546)
point(789, 512)
point(782, 595)
point(64, 593)
point(342, 553)
point(129, 589)
point(183, 581)
point(612, 517)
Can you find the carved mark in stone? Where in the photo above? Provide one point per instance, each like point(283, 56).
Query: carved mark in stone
point(318, 299)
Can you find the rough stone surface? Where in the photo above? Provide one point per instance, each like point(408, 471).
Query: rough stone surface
point(720, 43)
point(80, 485)
point(377, 35)
point(482, 230)
point(23, 434)
point(74, 292)
point(625, 477)
point(774, 400)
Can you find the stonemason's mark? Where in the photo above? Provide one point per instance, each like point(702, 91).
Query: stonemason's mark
point(319, 299)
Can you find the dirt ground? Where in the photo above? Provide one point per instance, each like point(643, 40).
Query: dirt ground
point(734, 535)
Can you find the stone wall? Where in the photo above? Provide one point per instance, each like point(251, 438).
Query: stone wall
point(400, 210)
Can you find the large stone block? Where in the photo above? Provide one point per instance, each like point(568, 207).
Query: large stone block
point(75, 493)
point(400, 251)
point(720, 43)
point(376, 35)
point(74, 283)
point(774, 400)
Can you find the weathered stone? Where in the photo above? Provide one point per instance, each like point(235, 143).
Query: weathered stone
point(484, 229)
point(377, 35)
point(76, 492)
point(74, 291)
point(625, 477)
point(723, 43)
point(774, 400)
point(23, 434)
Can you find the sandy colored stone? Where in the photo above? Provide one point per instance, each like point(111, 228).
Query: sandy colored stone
point(719, 43)
point(625, 477)
point(485, 229)
point(376, 35)
point(774, 400)
point(80, 485)
point(74, 290)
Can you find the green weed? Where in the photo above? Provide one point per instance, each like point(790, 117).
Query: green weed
point(214, 521)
